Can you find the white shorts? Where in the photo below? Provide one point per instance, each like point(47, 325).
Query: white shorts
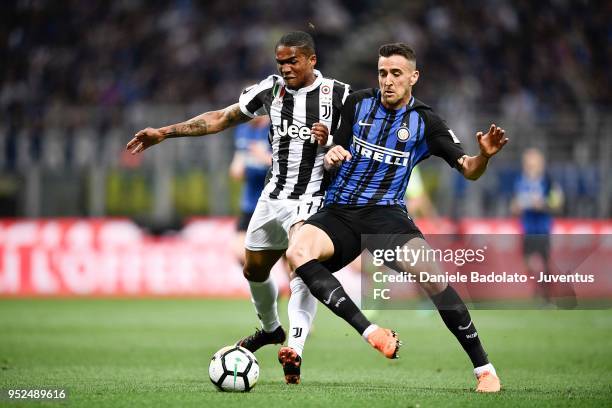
point(272, 219)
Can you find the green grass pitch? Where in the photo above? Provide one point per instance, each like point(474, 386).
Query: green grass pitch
point(126, 353)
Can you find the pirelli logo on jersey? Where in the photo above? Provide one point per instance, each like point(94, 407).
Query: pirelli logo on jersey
point(379, 153)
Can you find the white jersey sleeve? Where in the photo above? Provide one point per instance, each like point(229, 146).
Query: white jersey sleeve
point(252, 99)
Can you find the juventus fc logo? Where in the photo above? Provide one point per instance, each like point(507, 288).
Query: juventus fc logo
point(326, 112)
point(298, 332)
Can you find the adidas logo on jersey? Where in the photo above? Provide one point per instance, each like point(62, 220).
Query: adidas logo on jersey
point(293, 130)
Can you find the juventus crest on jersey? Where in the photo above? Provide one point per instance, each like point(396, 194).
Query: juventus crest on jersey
point(297, 162)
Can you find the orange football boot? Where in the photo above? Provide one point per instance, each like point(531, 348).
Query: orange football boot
point(385, 341)
point(488, 382)
point(291, 362)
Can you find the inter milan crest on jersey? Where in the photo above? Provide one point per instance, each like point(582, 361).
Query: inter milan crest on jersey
point(403, 133)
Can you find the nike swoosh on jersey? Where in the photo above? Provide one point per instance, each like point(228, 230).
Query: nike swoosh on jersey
point(364, 123)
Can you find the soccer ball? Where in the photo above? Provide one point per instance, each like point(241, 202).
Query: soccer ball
point(234, 368)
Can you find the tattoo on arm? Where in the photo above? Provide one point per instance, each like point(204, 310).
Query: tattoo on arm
point(209, 122)
point(193, 127)
point(232, 115)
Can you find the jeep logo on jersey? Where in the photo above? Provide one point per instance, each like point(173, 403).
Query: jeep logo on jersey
point(293, 130)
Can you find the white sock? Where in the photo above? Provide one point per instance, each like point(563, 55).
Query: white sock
point(369, 330)
point(263, 295)
point(487, 367)
point(302, 309)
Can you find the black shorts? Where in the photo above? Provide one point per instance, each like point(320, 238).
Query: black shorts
point(536, 244)
point(346, 224)
point(243, 221)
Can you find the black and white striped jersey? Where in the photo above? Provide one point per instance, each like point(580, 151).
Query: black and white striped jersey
point(297, 162)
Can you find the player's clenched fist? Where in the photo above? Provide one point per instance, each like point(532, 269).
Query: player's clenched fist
point(144, 139)
point(320, 133)
point(335, 156)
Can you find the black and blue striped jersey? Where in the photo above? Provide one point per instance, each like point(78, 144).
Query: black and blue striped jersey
point(385, 145)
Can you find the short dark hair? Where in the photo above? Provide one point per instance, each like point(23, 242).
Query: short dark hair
point(399, 48)
point(298, 39)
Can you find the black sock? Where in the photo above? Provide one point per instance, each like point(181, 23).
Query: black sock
point(458, 320)
point(328, 290)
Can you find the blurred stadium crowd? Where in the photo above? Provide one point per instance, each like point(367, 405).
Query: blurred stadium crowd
point(78, 78)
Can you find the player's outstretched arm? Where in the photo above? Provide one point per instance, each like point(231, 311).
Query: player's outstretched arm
point(490, 143)
point(204, 124)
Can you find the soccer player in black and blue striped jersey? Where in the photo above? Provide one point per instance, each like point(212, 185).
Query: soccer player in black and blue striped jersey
point(384, 133)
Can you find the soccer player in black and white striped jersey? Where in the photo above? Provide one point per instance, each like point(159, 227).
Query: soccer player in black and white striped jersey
point(303, 107)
